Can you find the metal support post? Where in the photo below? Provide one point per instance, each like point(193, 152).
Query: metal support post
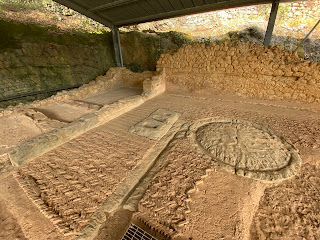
point(117, 45)
point(307, 36)
point(272, 20)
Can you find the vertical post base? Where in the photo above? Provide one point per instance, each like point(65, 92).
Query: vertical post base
point(272, 20)
point(117, 45)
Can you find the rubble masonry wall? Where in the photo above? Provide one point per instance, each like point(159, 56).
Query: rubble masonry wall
point(250, 69)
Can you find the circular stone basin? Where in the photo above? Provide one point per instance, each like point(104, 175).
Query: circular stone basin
point(246, 149)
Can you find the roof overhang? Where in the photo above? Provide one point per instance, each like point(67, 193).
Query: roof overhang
point(129, 12)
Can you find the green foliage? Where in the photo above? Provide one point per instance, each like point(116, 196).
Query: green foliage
point(85, 23)
point(233, 36)
point(283, 10)
point(224, 39)
point(264, 10)
point(19, 5)
point(136, 67)
point(54, 18)
point(178, 38)
point(300, 51)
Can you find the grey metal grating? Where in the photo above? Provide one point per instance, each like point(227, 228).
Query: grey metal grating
point(136, 233)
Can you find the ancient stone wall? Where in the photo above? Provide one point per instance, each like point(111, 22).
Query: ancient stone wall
point(247, 68)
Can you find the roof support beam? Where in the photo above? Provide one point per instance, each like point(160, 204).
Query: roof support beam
point(111, 5)
point(214, 6)
point(272, 20)
point(85, 11)
point(117, 45)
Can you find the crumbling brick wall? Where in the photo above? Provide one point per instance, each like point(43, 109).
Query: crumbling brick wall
point(247, 68)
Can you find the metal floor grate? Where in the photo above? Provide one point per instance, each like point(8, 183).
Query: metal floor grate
point(136, 233)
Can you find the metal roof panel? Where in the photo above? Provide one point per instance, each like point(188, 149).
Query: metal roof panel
point(129, 12)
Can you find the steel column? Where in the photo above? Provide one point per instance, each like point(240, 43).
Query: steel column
point(272, 20)
point(117, 45)
point(307, 36)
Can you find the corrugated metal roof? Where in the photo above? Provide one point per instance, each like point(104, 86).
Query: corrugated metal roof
point(129, 12)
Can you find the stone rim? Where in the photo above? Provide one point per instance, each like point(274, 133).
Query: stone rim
point(290, 169)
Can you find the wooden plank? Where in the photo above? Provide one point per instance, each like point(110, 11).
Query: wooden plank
point(176, 4)
point(114, 14)
point(142, 7)
point(130, 11)
point(187, 3)
point(111, 5)
point(156, 6)
point(198, 9)
point(166, 5)
point(147, 7)
point(210, 1)
point(198, 3)
point(136, 7)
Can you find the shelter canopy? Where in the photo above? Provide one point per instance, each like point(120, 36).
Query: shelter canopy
point(128, 12)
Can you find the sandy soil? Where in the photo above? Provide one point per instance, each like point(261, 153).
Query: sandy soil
point(225, 204)
point(290, 210)
point(29, 16)
point(223, 207)
point(21, 217)
point(67, 111)
point(191, 197)
point(8, 225)
point(18, 127)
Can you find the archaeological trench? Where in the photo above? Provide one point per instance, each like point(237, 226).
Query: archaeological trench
point(222, 141)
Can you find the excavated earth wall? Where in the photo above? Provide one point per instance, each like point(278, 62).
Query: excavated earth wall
point(246, 68)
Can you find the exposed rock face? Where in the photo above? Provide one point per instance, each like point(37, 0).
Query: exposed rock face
point(246, 68)
point(310, 49)
point(251, 34)
point(34, 58)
